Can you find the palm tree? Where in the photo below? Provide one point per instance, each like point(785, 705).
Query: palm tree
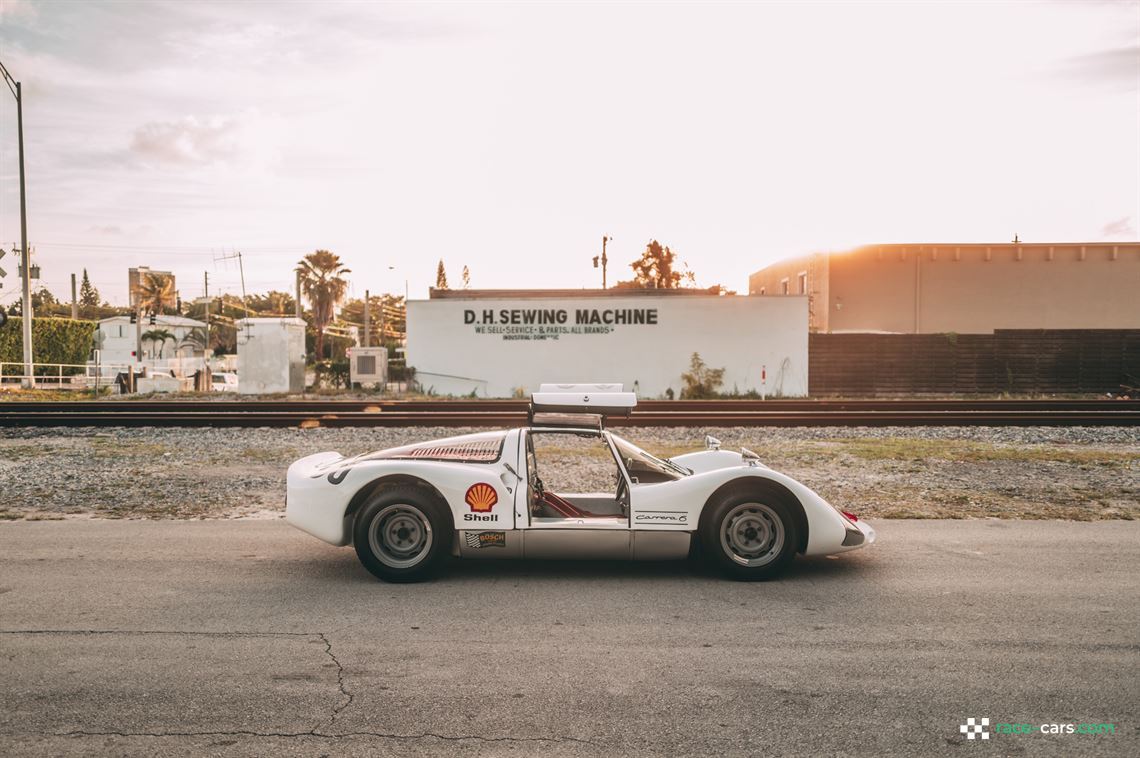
point(324, 286)
point(195, 339)
point(160, 336)
point(155, 293)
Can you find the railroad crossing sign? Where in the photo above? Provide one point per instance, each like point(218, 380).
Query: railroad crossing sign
point(3, 273)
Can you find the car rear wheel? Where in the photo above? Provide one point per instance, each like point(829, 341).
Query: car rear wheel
point(402, 534)
point(749, 537)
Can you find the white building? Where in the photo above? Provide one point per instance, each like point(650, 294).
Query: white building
point(501, 343)
point(270, 355)
point(117, 339)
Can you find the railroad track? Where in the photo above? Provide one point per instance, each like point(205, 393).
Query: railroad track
point(506, 413)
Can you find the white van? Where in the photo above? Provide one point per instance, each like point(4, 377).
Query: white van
point(224, 381)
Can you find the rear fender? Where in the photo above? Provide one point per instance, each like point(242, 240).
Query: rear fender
point(450, 483)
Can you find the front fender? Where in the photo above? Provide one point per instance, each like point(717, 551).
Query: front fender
point(678, 505)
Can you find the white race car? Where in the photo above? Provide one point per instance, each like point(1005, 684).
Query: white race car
point(563, 487)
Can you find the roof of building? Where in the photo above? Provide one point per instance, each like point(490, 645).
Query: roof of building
point(981, 245)
point(504, 294)
point(164, 320)
point(1117, 247)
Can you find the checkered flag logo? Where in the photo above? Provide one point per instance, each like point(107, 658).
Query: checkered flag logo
point(473, 540)
point(973, 728)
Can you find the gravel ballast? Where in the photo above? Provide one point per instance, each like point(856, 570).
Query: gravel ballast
point(1084, 473)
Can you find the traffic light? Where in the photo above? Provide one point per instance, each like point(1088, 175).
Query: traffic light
point(153, 319)
point(134, 317)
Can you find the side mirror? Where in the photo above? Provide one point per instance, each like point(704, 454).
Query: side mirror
point(749, 457)
point(711, 442)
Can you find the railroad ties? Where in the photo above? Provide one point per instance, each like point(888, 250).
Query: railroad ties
point(509, 413)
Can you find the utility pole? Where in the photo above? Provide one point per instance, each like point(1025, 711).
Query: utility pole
point(74, 301)
point(138, 333)
point(206, 352)
point(298, 297)
point(367, 319)
point(25, 257)
point(241, 270)
point(244, 300)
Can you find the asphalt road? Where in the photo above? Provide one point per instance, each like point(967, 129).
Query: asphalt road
point(238, 638)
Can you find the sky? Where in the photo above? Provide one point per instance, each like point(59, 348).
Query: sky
point(509, 138)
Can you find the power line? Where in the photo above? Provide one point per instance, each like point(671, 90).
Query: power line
point(203, 249)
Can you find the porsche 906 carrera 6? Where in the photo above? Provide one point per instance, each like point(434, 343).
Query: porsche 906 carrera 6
point(563, 487)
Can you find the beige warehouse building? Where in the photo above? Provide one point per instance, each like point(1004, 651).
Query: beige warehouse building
point(964, 288)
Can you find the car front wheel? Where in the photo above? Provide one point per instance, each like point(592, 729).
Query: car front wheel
point(402, 534)
point(749, 538)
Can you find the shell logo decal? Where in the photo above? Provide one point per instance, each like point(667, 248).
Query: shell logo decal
point(481, 497)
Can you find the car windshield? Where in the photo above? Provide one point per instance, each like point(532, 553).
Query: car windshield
point(645, 467)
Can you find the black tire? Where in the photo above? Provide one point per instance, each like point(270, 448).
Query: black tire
point(403, 534)
point(773, 542)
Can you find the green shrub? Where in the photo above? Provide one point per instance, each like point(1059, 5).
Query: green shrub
point(701, 382)
point(54, 340)
point(332, 374)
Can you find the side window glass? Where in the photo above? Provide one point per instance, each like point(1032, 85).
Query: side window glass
point(645, 468)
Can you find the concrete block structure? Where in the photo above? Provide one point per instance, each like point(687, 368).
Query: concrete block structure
point(503, 343)
point(368, 366)
point(963, 288)
point(271, 355)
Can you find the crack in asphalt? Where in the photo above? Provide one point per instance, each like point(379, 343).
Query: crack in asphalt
point(339, 680)
point(337, 709)
point(321, 735)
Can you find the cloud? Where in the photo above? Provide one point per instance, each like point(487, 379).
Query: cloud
point(1121, 227)
point(187, 142)
point(245, 45)
point(1118, 66)
point(13, 9)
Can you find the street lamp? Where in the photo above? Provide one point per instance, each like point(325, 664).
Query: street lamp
point(25, 258)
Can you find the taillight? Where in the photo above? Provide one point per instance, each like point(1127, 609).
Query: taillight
point(850, 516)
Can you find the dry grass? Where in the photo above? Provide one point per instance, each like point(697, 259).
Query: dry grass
point(897, 449)
point(234, 473)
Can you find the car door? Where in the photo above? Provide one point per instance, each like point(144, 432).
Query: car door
point(566, 534)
